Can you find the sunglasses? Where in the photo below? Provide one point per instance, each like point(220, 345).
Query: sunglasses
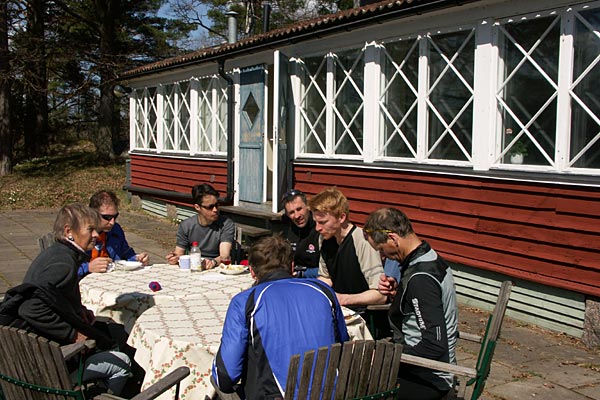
point(210, 206)
point(109, 217)
point(290, 194)
point(368, 232)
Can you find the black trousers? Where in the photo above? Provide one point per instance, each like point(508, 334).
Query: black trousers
point(414, 388)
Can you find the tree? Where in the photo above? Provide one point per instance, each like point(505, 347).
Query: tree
point(210, 14)
point(5, 125)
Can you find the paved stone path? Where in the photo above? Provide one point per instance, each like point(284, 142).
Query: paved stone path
point(530, 363)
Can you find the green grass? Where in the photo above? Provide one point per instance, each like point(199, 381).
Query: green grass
point(53, 181)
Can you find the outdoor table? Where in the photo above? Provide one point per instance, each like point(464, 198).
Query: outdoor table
point(124, 295)
point(187, 331)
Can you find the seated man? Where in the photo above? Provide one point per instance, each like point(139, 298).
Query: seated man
point(348, 263)
point(424, 314)
point(262, 326)
point(213, 232)
point(301, 234)
point(111, 244)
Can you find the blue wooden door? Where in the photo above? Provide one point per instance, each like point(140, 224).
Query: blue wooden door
point(252, 131)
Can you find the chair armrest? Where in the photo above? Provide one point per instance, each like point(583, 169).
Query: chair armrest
point(73, 349)
point(379, 307)
point(469, 337)
point(438, 365)
point(166, 382)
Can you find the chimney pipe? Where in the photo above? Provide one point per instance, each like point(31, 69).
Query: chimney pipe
point(231, 26)
point(266, 16)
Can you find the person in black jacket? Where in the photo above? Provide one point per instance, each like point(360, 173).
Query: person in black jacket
point(48, 302)
point(301, 234)
point(423, 314)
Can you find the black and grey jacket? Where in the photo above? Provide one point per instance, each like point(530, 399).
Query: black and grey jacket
point(424, 314)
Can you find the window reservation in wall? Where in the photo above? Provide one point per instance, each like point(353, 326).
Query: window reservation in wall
point(186, 117)
point(544, 103)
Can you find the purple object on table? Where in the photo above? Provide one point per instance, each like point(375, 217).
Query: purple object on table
point(154, 286)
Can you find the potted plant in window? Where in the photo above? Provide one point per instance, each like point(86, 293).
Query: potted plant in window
point(517, 152)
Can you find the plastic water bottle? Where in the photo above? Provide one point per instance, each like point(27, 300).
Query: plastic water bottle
point(195, 257)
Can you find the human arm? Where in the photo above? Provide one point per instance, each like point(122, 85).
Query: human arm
point(173, 256)
point(117, 246)
point(224, 253)
point(365, 298)
point(230, 360)
point(424, 296)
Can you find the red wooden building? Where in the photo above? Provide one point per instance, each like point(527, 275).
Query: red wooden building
point(480, 119)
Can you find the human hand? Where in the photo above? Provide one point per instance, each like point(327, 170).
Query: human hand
point(80, 337)
point(209, 263)
point(99, 264)
point(144, 258)
point(342, 298)
point(387, 285)
point(172, 258)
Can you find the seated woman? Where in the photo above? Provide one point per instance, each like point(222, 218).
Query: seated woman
point(213, 232)
point(49, 301)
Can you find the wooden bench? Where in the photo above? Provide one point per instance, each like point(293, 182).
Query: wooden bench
point(32, 367)
point(46, 241)
point(352, 370)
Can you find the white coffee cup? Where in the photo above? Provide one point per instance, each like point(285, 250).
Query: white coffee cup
point(184, 262)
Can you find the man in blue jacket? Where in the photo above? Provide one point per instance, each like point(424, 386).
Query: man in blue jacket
point(111, 244)
point(266, 324)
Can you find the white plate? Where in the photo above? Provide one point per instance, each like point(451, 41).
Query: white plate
point(232, 269)
point(127, 265)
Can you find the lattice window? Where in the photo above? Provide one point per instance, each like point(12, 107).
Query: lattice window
point(212, 115)
point(528, 90)
point(450, 95)
point(398, 101)
point(584, 93)
point(145, 118)
point(176, 116)
point(331, 104)
point(312, 105)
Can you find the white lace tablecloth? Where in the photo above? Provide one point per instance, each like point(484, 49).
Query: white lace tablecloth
point(124, 295)
point(187, 331)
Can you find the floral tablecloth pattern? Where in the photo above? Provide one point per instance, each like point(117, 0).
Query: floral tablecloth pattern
point(187, 331)
point(179, 325)
point(124, 295)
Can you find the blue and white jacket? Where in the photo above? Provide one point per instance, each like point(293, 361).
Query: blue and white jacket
point(266, 325)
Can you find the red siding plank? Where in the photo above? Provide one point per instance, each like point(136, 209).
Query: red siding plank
point(545, 233)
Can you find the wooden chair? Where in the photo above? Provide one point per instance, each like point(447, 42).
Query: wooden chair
point(32, 367)
point(352, 370)
point(46, 241)
point(166, 382)
point(477, 376)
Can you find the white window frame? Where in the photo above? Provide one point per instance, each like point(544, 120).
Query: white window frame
point(486, 146)
point(140, 105)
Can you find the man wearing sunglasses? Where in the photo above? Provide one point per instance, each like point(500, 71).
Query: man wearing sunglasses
point(111, 244)
point(214, 233)
point(301, 234)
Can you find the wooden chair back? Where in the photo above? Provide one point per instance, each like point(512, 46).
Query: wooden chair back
point(352, 370)
point(32, 367)
point(477, 376)
point(46, 241)
point(489, 340)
